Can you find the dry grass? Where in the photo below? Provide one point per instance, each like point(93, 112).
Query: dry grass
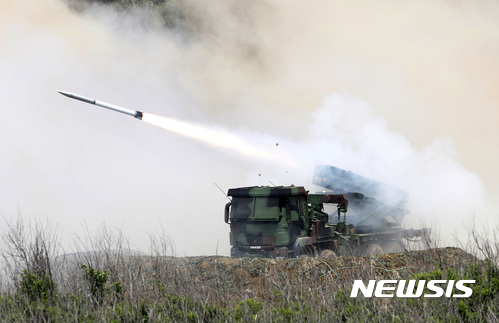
point(159, 286)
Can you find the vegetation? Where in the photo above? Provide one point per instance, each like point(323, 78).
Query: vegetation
point(105, 281)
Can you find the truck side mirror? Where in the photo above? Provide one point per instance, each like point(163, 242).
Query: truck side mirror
point(227, 211)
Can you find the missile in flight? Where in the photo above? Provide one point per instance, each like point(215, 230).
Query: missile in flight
point(208, 135)
point(135, 114)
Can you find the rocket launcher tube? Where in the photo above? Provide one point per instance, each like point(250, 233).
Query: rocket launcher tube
point(135, 114)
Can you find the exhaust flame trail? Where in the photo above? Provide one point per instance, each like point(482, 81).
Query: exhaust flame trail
point(213, 137)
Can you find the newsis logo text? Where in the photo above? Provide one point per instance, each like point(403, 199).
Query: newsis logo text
point(408, 289)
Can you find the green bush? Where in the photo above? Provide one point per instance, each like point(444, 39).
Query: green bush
point(97, 280)
point(485, 289)
point(37, 287)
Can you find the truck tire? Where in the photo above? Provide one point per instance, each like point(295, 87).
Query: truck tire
point(327, 253)
point(373, 249)
point(303, 247)
point(393, 247)
point(297, 251)
point(303, 252)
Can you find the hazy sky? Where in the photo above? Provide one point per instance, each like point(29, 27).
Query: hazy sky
point(402, 92)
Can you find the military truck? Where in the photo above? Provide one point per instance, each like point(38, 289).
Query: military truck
point(288, 221)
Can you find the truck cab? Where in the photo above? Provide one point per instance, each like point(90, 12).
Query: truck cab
point(277, 221)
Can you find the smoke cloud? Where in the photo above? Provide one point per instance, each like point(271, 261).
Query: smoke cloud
point(399, 92)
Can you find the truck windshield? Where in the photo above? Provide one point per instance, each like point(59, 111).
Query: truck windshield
point(255, 208)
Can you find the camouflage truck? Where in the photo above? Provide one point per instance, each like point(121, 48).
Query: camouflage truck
point(288, 221)
point(283, 221)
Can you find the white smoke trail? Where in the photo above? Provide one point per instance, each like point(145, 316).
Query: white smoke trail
point(217, 138)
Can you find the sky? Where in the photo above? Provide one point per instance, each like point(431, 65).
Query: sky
point(400, 92)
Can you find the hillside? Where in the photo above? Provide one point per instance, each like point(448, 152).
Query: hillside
point(226, 280)
point(123, 286)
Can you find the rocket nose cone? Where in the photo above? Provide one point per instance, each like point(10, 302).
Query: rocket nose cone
point(65, 93)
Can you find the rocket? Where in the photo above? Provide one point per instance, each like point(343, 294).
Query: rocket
point(135, 114)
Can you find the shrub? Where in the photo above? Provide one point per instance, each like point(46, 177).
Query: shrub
point(37, 287)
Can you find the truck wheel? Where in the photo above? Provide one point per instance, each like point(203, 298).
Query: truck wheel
point(373, 249)
point(297, 251)
point(393, 247)
point(327, 253)
point(307, 252)
point(303, 252)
